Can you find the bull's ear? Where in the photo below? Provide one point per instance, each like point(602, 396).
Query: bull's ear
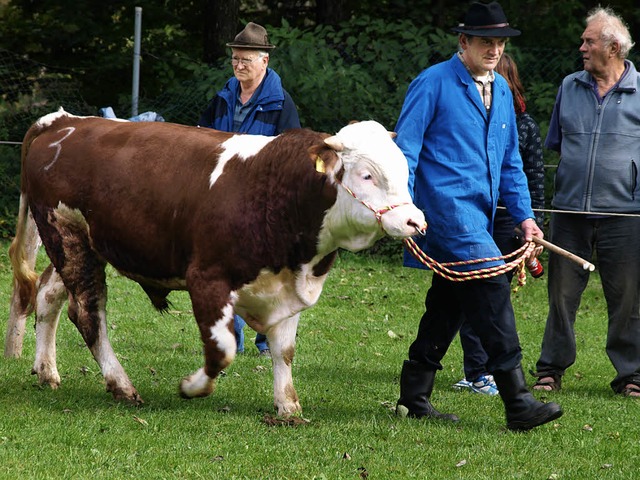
point(335, 143)
point(325, 159)
point(393, 134)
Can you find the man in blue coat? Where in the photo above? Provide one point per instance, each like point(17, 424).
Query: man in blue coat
point(458, 131)
point(252, 101)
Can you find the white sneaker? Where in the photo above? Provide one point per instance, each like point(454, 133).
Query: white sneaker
point(485, 384)
point(463, 384)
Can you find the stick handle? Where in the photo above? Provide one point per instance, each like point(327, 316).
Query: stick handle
point(561, 251)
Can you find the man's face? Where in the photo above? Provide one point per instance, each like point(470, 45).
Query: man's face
point(596, 55)
point(248, 64)
point(482, 53)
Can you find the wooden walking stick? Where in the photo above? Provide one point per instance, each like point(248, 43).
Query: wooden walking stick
point(561, 251)
point(565, 253)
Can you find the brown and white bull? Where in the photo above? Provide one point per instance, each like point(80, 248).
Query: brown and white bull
point(244, 223)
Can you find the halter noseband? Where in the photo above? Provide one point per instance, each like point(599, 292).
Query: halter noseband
point(381, 211)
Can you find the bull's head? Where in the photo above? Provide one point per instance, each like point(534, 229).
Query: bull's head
point(375, 198)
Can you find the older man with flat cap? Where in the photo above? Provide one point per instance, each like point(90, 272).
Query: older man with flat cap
point(458, 131)
point(252, 101)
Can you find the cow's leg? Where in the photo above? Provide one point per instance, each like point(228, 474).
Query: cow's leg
point(216, 331)
point(282, 343)
point(49, 302)
point(17, 314)
point(92, 325)
point(69, 248)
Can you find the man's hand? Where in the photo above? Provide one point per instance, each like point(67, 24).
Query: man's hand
point(530, 229)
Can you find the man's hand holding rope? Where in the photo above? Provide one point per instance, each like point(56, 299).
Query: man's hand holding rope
point(530, 229)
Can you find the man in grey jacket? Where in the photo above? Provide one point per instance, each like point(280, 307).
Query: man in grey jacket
point(595, 126)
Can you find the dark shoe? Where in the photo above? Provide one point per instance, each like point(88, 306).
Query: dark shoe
point(523, 411)
point(416, 385)
point(265, 353)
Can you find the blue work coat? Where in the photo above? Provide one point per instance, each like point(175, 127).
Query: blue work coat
point(461, 160)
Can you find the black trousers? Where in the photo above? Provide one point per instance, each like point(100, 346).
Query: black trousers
point(486, 306)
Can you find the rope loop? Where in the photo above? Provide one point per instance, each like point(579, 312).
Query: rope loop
point(517, 257)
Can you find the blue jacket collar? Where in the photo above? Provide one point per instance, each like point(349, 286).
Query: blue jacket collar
point(269, 91)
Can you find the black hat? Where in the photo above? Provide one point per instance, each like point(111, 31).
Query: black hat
point(253, 37)
point(486, 20)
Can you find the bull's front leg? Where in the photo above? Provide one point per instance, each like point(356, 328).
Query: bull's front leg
point(217, 337)
point(282, 343)
point(49, 302)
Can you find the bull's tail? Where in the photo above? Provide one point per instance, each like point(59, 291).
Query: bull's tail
point(24, 275)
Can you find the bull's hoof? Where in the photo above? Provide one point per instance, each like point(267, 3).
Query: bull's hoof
point(125, 395)
point(288, 409)
point(132, 399)
point(47, 376)
point(291, 421)
point(187, 392)
point(196, 385)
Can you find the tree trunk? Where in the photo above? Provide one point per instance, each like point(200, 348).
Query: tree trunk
point(220, 27)
point(332, 12)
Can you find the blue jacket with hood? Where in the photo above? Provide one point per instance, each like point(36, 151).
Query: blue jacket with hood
point(273, 110)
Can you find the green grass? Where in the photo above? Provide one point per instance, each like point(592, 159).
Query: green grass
point(346, 373)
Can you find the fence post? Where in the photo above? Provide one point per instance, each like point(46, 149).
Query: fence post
point(136, 62)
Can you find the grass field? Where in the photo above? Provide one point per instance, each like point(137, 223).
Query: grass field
point(349, 353)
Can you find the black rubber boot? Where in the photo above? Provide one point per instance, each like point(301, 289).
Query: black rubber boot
point(524, 412)
point(416, 385)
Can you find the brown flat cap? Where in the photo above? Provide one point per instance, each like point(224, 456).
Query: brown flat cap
point(253, 37)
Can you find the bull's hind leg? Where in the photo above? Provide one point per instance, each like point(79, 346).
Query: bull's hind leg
point(282, 343)
point(69, 248)
point(49, 302)
point(93, 326)
point(216, 331)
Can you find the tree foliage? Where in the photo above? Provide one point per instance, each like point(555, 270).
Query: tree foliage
point(95, 40)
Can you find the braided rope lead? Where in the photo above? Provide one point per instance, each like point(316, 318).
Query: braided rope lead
point(519, 256)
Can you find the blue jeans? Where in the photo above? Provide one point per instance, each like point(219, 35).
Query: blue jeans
point(614, 240)
point(238, 328)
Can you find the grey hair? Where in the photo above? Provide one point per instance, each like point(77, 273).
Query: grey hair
point(614, 29)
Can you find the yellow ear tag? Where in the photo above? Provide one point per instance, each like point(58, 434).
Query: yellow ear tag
point(319, 165)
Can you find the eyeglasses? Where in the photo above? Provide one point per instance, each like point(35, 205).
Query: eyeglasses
point(244, 61)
